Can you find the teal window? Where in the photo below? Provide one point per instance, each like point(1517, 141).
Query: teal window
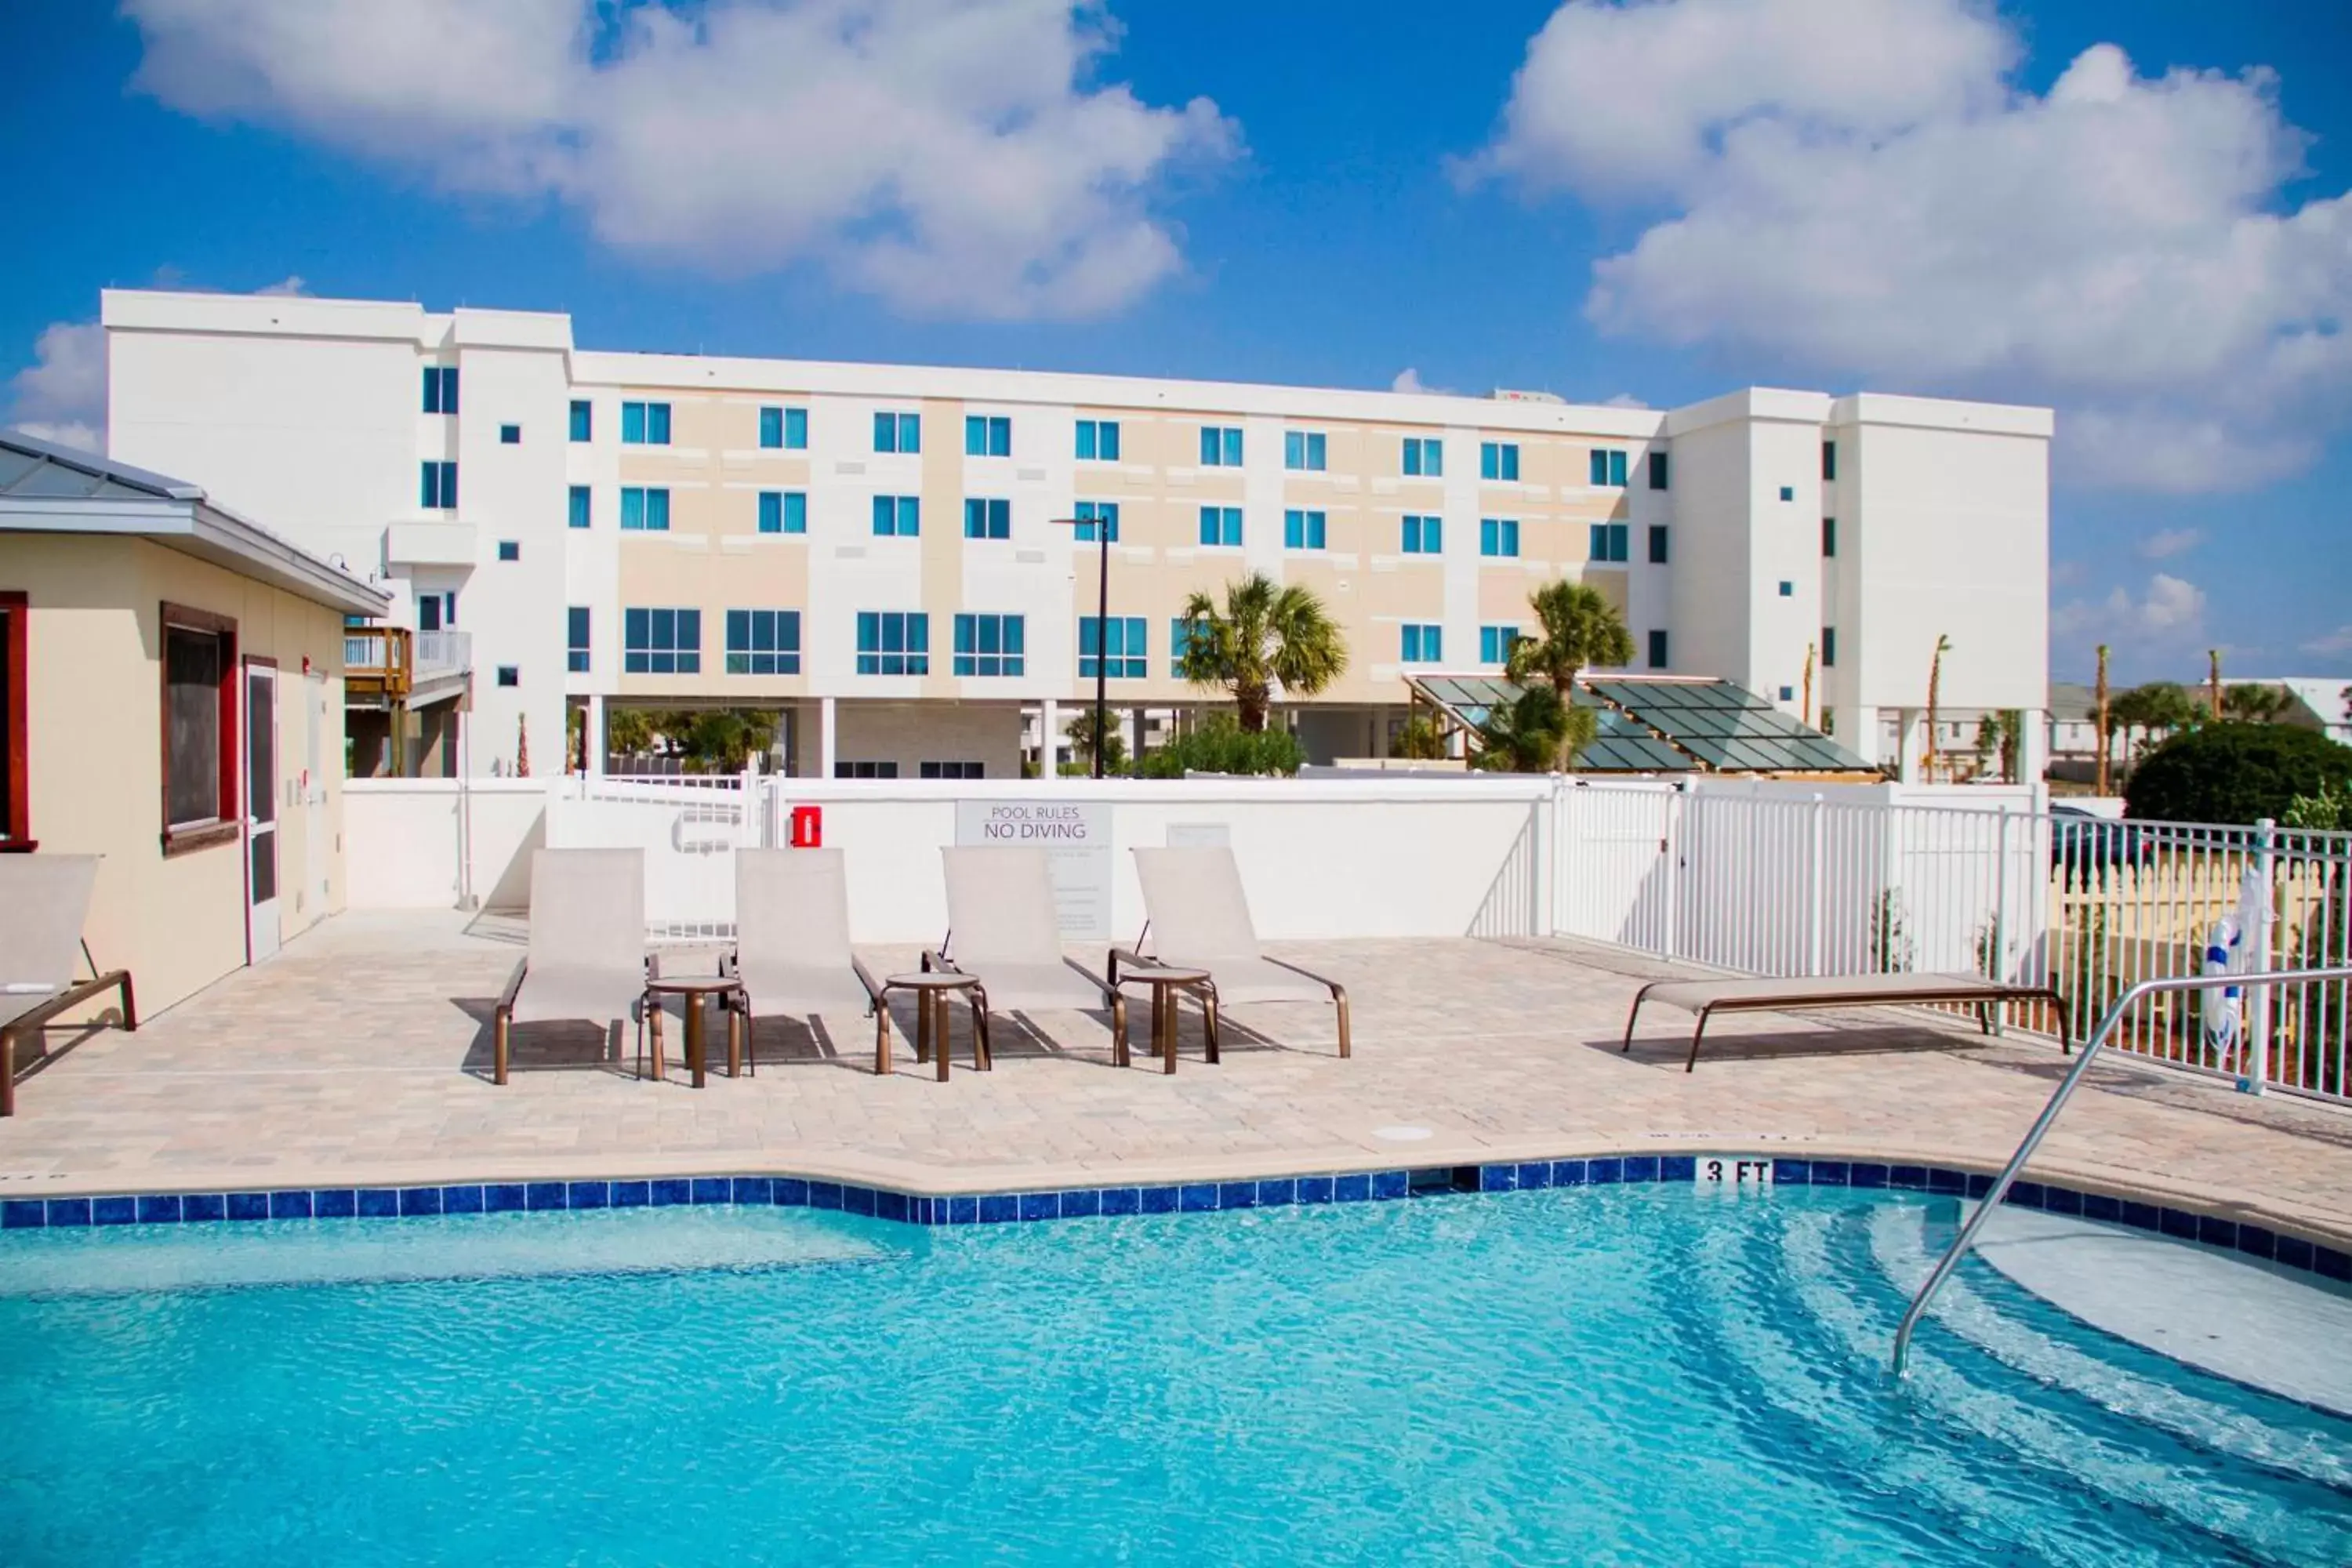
point(987, 435)
point(1303, 450)
point(440, 389)
point(763, 642)
point(987, 646)
point(1220, 525)
point(575, 639)
point(892, 643)
point(1657, 544)
point(783, 512)
point(1829, 647)
point(1098, 440)
point(511, 675)
point(1094, 514)
point(510, 548)
point(987, 518)
point(1180, 641)
point(898, 432)
point(1657, 650)
point(1423, 535)
point(579, 506)
point(438, 487)
point(1829, 461)
point(1499, 536)
point(1498, 460)
point(510, 435)
point(1494, 644)
point(1425, 457)
point(1788, 492)
point(583, 423)
point(645, 424)
point(1608, 541)
point(1657, 470)
point(643, 509)
point(1422, 644)
point(1123, 658)
point(1829, 538)
point(1302, 530)
point(772, 427)
point(1221, 446)
point(1607, 467)
point(897, 517)
point(661, 642)
point(1787, 590)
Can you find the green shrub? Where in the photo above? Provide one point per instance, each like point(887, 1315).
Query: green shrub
point(2235, 773)
point(1221, 746)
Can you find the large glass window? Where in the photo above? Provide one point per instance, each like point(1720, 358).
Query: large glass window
point(577, 506)
point(440, 389)
point(763, 642)
point(987, 518)
point(988, 645)
point(1094, 514)
point(1606, 466)
point(1422, 643)
point(199, 728)
point(575, 639)
point(644, 510)
point(1498, 460)
point(661, 642)
point(1302, 530)
point(1221, 446)
point(584, 421)
point(1423, 535)
point(1098, 440)
point(1609, 541)
point(898, 432)
point(1494, 644)
point(783, 512)
point(784, 429)
point(892, 642)
point(897, 517)
point(1222, 526)
point(436, 487)
point(645, 424)
point(987, 435)
point(1303, 451)
point(1499, 536)
point(1425, 457)
point(1127, 657)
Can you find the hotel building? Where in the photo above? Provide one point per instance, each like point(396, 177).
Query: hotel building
point(904, 558)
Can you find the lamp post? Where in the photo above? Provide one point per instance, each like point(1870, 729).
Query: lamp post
point(1102, 527)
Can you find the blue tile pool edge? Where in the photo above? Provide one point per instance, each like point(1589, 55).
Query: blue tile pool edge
point(1379, 1185)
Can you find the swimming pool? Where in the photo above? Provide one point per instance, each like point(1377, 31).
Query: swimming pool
point(1656, 1373)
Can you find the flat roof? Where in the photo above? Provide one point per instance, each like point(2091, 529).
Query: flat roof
point(46, 487)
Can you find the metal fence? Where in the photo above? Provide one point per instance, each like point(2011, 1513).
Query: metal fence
point(1820, 886)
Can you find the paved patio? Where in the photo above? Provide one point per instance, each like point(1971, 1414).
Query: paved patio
point(360, 1055)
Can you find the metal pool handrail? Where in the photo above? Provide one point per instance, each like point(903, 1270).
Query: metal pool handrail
point(2089, 1053)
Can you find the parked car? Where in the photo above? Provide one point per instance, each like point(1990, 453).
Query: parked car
point(2082, 843)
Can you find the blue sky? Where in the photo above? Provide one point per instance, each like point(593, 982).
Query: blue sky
point(1658, 202)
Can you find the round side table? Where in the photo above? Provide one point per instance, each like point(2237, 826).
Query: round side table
point(1167, 984)
point(931, 988)
point(696, 991)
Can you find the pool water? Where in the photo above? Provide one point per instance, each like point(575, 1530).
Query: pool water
point(1632, 1374)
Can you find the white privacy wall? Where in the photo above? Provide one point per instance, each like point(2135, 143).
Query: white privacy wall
point(405, 841)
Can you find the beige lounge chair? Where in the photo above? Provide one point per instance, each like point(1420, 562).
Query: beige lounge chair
point(791, 951)
point(1002, 930)
point(44, 899)
point(587, 955)
point(1197, 917)
point(1747, 994)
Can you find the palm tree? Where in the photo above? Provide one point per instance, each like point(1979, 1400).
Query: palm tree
point(1267, 635)
point(2251, 703)
point(1580, 628)
point(1529, 735)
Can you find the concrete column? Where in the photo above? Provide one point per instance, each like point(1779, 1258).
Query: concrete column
point(1857, 730)
point(2032, 746)
point(1910, 745)
point(1049, 741)
point(593, 727)
point(827, 736)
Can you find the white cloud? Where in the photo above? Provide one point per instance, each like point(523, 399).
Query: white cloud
point(952, 156)
point(1408, 380)
point(1625, 400)
point(2331, 645)
point(2167, 542)
point(292, 283)
point(1863, 192)
point(61, 396)
point(2171, 611)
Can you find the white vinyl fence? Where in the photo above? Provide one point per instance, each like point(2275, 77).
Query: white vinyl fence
point(1753, 877)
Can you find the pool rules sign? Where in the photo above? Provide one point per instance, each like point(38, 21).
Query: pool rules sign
point(1075, 837)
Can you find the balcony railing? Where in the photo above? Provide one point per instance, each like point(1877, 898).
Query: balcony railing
point(444, 653)
point(388, 661)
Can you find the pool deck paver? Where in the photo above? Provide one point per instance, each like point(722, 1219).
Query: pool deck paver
point(359, 1055)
